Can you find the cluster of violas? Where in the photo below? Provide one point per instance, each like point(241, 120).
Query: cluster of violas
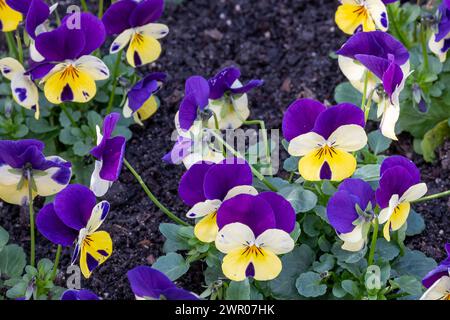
point(63, 61)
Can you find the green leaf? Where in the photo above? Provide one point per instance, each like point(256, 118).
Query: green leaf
point(21, 131)
point(172, 265)
point(377, 142)
point(295, 234)
point(291, 164)
point(415, 224)
point(325, 263)
point(238, 290)
point(385, 250)
point(64, 120)
point(351, 287)
point(347, 256)
point(338, 292)
point(4, 238)
point(309, 285)
point(301, 200)
point(174, 240)
point(81, 149)
point(67, 137)
point(12, 261)
point(369, 172)
point(409, 284)
point(413, 263)
point(311, 225)
point(345, 92)
point(433, 139)
point(94, 119)
point(40, 126)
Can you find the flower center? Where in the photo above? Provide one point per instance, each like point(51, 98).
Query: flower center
point(252, 250)
point(69, 72)
point(2, 4)
point(326, 150)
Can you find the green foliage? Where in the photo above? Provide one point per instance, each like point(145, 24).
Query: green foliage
point(238, 290)
point(172, 265)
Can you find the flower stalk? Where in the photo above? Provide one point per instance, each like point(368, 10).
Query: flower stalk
point(56, 263)
point(433, 196)
point(152, 197)
point(373, 244)
point(262, 125)
point(31, 211)
point(68, 115)
point(11, 46)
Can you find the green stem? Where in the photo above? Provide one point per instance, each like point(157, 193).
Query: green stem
point(433, 196)
point(31, 210)
point(170, 214)
point(19, 47)
point(84, 5)
point(262, 125)
point(11, 46)
point(216, 125)
point(373, 244)
point(114, 84)
point(395, 27)
point(68, 115)
point(423, 42)
point(56, 263)
point(100, 9)
point(237, 154)
point(364, 96)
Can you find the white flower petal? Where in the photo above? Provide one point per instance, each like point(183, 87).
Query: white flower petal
point(9, 176)
point(353, 236)
point(233, 236)
point(353, 246)
point(121, 41)
point(348, 138)
point(9, 67)
point(377, 11)
point(24, 91)
point(386, 213)
point(241, 190)
point(93, 66)
point(414, 192)
point(34, 54)
point(305, 143)
point(99, 186)
point(202, 209)
point(46, 184)
point(438, 290)
point(275, 240)
point(390, 117)
point(154, 30)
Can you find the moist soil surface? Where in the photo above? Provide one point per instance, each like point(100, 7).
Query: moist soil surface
point(285, 42)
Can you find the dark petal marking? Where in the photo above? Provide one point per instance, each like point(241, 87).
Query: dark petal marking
point(115, 46)
point(75, 254)
point(67, 93)
point(103, 253)
point(250, 271)
point(137, 59)
point(105, 210)
point(384, 21)
point(6, 70)
point(325, 171)
point(21, 93)
point(91, 262)
point(85, 94)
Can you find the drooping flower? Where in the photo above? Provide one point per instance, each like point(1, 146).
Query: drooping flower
point(69, 71)
point(134, 21)
point(350, 212)
point(353, 16)
point(109, 153)
point(79, 295)
point(253, 230)
point(443, 269)
point(22, 163)
point(206, 185)
point(387, 60)
point(141, 102)
point(228, 98)
point(150, 284)
point(74, 218)
point(23, 89)
point(439, 42)
point(324, 138)
point(9, 17)
point(399, 185)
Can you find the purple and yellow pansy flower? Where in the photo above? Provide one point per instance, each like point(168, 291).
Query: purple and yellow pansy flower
point(133, 21)
point(74, 218)
point(9, 17)
point(82, 294)
point(383, 60)
point(24, 91)
point(253, 230)
point(141, 101)
point(151, 284)
point(324, 138)
point(354, 16)
point(439, 42)
point(438, 280)
point(23, 163)
point(69, 71)
point(350, 212)
point(399, 186)
point(109, 154)
point(205, 186)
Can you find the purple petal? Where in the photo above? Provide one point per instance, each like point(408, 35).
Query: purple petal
point(376, 65)
point(148, 282)
point(178, 294)
point(79, 295)
point(112, 158)
point(395, 180)
point(199, 88)
point(19, 5)
point(223, 81)
point(116, 17)
point(284, 213)
point(341, 211)
point(17, 153)
point(60, 44)
point(180, 150)
point(361, 189)
point(401, 161)
point(300, 117)
point(444, 23)
point(74, 205)
point(40, 70)
point(146, 11)
point(334, 117)
point(37, 14)
point(246, 88)
point(144, 89)
point(190, 188)
point(392, 78)
point(252, 211)
point(187, 113)
point(109, 124)
point(224, 176)
point(51, 227)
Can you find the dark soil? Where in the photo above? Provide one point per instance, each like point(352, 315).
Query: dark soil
point(285, 42)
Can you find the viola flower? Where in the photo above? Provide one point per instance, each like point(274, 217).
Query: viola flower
point(150, 284)
point(350, 213)
point(443, 269)
point(353, 16)
point(36, 13)
point(9, 18)
point(109, 153)
point(74, 217)
point(324, 138)
point(438, 280)
point(229, 99)
point(79, 295)
point(134, 21)
point(69, 71)
point(206, 185)
point(22, 163)
point(399, 185)
point(253, 230)
point(388, 62)
point(439, 42)
point(141, 101)
point(23, 89)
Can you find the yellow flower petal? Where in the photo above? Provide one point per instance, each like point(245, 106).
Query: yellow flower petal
point(10, 194)
point(95, 249)
point(235, 263)
point(206, 229)
point(143, 49)
point(9, 18)
point(350, 17)
point(397, 219)
point(148, 109)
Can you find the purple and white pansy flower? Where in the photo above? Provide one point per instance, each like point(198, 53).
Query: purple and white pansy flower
point(324, 138)
point(399, 186)
point(151, 284)
point(23, 165)
point(205, 186)
point(133, 22)
point(253, 230)
point(439, 42)
point(368, 59)
point(141, 101)
point(82, 294)
point(109, 154)
point(350, 212)
point(438, 280)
